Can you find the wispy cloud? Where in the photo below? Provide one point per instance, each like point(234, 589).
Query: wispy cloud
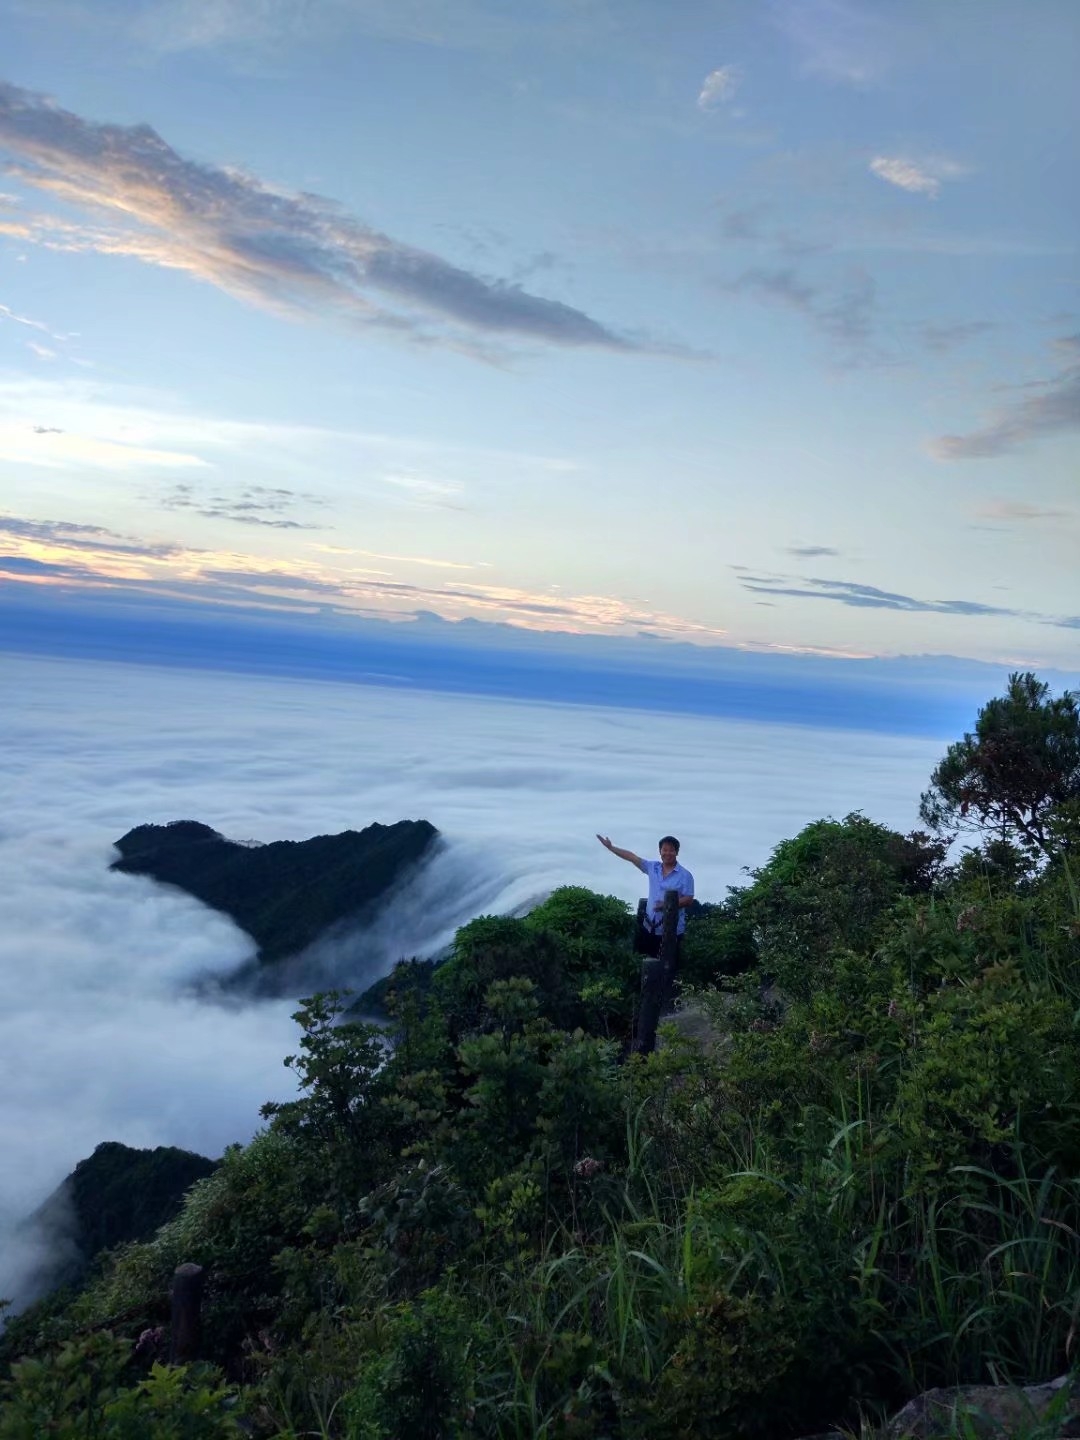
point(745, 224)
point(289, 252)
point(811, 552)
point(65, 535)
point(784, 286)
point(866, 597)
point(756, 225)
point(836, 40)
point(54, 448)
point(942, 338)
point(167, 26)
point(844, 314)
point(1034, 411)
point(51, 344)
point(88, 424)
point(426, 492)
point(719, 87)
point(759, 224)
point(1008, 511)
point(918, 177)
point(6, 313)
point(264, 505)
point(249, 31)
point(178, 25)
point(426, 560)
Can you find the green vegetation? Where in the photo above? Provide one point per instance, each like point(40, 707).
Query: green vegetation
point(284, 894)
point(1018, 776)
point(504, 1226)
point(84, 1390)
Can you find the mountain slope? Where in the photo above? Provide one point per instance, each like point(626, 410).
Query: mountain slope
point(116, 1195)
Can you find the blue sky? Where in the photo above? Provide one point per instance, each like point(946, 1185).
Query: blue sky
point(749, 325)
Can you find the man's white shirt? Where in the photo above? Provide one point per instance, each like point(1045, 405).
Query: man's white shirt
point(678, 879)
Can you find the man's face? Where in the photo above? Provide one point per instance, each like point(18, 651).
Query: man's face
point(668, 856)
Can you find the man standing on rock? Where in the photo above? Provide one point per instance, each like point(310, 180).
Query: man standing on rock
point(664, 874)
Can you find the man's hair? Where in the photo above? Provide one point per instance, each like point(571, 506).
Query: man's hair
point(668, 840)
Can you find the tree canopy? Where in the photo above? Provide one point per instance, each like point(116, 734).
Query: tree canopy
point(1018, 775)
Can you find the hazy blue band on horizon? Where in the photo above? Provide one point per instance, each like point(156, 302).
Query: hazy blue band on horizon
point(743, 685)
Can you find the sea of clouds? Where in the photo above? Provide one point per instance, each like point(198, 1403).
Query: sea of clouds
point(111, 1026)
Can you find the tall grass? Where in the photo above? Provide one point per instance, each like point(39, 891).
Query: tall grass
point(976, 1280)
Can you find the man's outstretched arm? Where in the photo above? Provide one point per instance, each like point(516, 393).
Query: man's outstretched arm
point(622, 854)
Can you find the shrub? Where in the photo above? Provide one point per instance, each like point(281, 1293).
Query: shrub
point(830, 888)
point(415, 1380)
point(496, 948)
point(728, 1358)
point(992, 1060)
point(79, 1391)
point(719, 942)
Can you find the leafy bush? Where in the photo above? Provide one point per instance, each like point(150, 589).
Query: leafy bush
point(729, 1358)
point(79, 1392)
point(416, 1375)
point(830, 888)
point(991, 1061)
point(495, 948)
point(576, 948)
point(339, 1112)
point(719, 942)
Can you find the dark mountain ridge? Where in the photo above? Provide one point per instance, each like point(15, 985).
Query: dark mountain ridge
point(287, 893)
point(115, 1195)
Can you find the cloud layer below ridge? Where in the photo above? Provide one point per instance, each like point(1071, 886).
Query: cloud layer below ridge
point(106, 1020)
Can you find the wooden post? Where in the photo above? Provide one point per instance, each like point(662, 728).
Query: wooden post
point(186, 1330)
point(669, 946)
point(648, 1016)
point(657, 978)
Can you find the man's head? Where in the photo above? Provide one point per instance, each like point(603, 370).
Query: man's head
point(669, 850)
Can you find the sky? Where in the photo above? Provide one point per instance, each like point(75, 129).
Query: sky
point(752, 326)
point(123, 1035)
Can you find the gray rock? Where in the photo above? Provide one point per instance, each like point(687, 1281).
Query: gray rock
point(693, 1024)
point(997, 1412)
point(993, 1410)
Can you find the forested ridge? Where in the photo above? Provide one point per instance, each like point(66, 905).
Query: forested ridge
point(287, 893)
point(488, 1219)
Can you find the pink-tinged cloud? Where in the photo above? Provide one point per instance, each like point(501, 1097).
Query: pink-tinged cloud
point(918, 177)
point(1008, 510)
point(59, 553)
point(286, 251)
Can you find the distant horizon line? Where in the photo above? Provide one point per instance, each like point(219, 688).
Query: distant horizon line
point(916, 695)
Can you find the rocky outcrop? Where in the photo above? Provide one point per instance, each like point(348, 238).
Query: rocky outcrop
point(991, 1412)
